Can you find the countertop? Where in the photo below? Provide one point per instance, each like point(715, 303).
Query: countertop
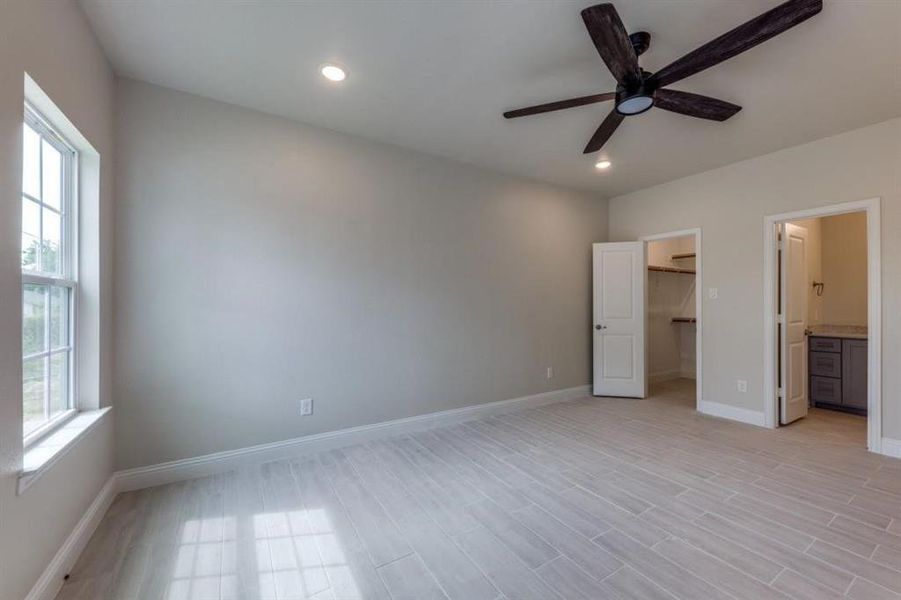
point(854, 332)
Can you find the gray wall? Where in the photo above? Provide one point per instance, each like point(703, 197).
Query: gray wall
point(70, 67)
point(263, 261)
point(729, 204)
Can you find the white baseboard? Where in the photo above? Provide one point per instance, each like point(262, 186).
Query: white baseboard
point(726, 411)
point(209, 464)
point(51, 579)
point(891, 447)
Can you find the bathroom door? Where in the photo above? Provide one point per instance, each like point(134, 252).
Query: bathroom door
point(793, 401)
point(619, 284)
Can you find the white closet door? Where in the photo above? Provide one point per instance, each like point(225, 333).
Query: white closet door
point(620, 275)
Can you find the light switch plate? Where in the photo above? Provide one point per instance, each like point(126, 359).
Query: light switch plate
point(742, 385)
point(713, 293)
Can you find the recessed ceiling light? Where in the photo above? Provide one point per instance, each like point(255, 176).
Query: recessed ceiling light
point(333, 72)
point(602, 165)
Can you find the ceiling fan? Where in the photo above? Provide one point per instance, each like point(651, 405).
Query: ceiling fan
point(638, 90)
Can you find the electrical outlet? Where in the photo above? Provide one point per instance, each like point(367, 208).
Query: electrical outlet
point(306, 407)
point(550, 372)
point(713, 293)
point(742, 385)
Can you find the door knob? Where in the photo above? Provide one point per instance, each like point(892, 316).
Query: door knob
point(599, 327)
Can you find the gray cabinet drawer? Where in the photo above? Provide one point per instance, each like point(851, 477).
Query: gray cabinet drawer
point(826, 389)
point(825, 364)
point(821, 344)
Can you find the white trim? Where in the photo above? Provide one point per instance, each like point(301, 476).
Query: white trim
point(872, 207)
point(734, 413)
point(43, 454)
point(51, 580)
point(891, 447)
point(53, 424)
point(699, 287)
point(189, 468)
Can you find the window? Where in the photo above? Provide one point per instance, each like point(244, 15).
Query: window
point(49, 282)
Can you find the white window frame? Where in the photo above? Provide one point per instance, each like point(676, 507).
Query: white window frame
point(69, 261)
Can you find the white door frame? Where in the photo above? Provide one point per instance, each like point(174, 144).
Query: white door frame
point(872, 207)
point(696, 232)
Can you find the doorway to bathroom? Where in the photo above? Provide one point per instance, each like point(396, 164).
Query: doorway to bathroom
point(822, 320)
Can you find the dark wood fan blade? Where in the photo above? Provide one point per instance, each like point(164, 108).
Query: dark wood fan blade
point(610, 38)
point(604, 132)
point(695, 105)
point(754, 32)
point(559, 105)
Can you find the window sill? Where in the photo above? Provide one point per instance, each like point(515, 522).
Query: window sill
point(44, 454)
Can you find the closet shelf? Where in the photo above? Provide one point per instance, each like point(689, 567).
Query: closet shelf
point(686, 255)
point(671, 270)
point(684, 320)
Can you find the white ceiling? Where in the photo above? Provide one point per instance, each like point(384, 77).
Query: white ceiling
point(436, 76)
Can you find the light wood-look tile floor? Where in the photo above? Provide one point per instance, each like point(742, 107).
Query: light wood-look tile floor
point(592, 499)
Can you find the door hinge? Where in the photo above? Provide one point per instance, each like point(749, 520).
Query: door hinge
point(778, 319)
point(780, 393)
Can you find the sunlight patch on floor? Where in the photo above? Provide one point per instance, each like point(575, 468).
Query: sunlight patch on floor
point(296, 554)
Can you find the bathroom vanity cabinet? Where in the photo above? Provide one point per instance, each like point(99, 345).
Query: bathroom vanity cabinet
point(838, 373)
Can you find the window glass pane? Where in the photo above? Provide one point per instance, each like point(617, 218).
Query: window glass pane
point(51, 255)
point(31, 218)
point(31, 163)
point(30, 246)
point(51, 171)
point(33, 393)
point(31, 234)
point(59, 317)
point(34, 298)
point(59, 383)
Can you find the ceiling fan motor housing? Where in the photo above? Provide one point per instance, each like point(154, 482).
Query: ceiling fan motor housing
point(635, 98)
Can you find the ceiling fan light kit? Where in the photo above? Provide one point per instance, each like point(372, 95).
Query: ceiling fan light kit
point(635, 99)
point(638, 91)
